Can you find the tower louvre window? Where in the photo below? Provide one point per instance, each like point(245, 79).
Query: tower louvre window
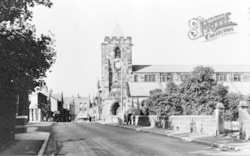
point(117, 52)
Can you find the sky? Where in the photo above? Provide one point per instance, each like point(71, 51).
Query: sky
point(159, 31)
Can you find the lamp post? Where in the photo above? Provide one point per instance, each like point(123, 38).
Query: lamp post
point(122, 97)
point(98, 99)
point(99, 104)
point(119, 65)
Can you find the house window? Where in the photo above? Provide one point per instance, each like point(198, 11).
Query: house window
point(166, 78)
point(149, 78)
point(135, 78)
point(221, 77)
point(237, 77)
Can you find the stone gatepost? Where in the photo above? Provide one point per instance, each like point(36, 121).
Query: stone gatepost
point(242, 107)
point(219, 118)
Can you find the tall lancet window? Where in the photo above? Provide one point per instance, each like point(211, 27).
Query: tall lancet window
point(117, 52)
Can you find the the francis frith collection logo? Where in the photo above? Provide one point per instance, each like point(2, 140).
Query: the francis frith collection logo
point(211, 28)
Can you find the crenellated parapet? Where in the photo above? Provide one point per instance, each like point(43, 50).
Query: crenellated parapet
point(114, 39)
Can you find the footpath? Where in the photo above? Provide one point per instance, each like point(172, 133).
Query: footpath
point(33, 142)
point(228, 142)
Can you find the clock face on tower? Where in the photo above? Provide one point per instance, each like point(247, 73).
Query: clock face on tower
point(118, 64)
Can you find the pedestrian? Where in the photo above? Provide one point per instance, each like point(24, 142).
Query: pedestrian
point(129, 118)
point(90, 118)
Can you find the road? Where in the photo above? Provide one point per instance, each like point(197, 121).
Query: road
point(94, 139)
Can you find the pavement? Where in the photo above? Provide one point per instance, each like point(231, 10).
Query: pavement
point(223, 142)
point(33, 142)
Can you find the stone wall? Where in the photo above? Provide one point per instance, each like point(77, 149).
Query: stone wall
point(196, 124)
point(205, 124)
point(246, 125)
point(184, 123)
point(244, 121)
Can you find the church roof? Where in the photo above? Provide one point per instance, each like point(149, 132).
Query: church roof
point(187, 68)
point(142, 89)
point(238, 87)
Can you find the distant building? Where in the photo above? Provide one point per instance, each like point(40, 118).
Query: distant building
point(70, 106)
point(81, 107)
point(59, 98)
point(38, 102)
point(43, 106)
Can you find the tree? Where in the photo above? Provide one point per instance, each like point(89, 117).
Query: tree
point(24, 58)
point(231, 106)
point(167, 103)
point(171, 87)
point(155, 91)
point(13, 10)
point(200, 92)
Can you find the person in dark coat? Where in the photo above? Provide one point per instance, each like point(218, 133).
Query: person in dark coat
point(129, 118)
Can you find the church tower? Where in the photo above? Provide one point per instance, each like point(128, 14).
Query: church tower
point(116, 58)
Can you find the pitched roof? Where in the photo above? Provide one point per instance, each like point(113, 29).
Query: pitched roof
point(67, 99)
point(187, 68)
point(54, 96)
point(142, 89)
point(39, 92)
point(58, 97)
point(82, 100)
point(238, 87)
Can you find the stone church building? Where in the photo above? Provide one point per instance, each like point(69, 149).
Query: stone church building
point(137, 81)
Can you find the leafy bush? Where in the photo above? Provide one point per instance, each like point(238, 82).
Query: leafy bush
point(167, 103)
point(231, 102)
point(200, 92)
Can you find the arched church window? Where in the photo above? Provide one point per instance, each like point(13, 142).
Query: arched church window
point(117, 52)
